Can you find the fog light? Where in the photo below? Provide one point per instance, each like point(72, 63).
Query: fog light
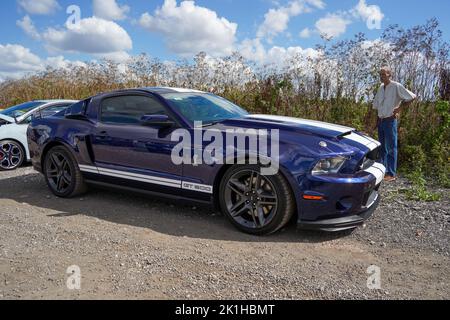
point(344, 204)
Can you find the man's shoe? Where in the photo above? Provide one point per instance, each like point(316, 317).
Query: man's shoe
point(389, 178)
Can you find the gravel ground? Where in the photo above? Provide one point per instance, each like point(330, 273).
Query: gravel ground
point(129, 246)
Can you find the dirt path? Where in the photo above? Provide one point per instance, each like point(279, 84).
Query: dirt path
point(129, 246)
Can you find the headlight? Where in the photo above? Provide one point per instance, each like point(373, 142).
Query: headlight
point(327, 166)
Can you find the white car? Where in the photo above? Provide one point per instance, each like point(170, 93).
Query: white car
point(13, 129)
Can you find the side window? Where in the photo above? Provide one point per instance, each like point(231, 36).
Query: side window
point(47, 112)
point(129, 109)
point(27, 120)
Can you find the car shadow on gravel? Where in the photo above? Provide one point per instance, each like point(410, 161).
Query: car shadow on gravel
point(142, 211)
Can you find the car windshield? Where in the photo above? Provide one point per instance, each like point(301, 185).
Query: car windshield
point(21, 109)
point(205, 107)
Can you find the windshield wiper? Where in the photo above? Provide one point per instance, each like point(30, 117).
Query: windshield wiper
point(212, 123)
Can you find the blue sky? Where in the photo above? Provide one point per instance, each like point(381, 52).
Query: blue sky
point(34, 32)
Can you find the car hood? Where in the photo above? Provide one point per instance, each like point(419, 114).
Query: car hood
point(7, 118)
point(331, 132)
point(302, 126)
point(324, 129)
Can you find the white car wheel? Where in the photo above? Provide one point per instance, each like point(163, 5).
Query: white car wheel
point(12, 155)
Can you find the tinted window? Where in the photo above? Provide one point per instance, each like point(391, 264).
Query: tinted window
point(129, 109)
point(204, 107)
point(47, 112)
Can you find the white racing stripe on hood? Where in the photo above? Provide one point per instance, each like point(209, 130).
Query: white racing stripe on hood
point(366, 141)
point(312, 123)
point(370, 143)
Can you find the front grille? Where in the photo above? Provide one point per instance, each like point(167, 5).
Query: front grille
point(366, 164)
point(370, 158)
point(374, 154)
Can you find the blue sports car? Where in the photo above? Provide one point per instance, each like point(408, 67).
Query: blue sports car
point(155, 140)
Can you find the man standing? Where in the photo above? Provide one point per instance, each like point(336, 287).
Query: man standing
point(390, 100)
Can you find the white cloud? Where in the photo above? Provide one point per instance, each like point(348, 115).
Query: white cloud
point(277, 20)
point(92, 36)
point(305, 33)
point(17, 61)
point(39, 6)
point(189, 29)
point(109, 10)
point(335, 24)
point(332, 25)
point(372, 14)
point(283, 56)
point(253, 49)
point(119, 57)
point(279, 57)
point(59, 62)
point(27, 25)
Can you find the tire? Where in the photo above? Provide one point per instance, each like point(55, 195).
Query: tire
point(12, 155)
point(269, 198)
point(62, 174)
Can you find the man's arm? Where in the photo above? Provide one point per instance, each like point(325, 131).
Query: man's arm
point(374, 110)
point(373, 114)
point(403, 105)
point(407, 98)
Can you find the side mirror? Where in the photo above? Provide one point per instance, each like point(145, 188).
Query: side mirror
point(157, 121)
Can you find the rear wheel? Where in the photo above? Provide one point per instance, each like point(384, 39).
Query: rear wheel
point(255, 203)
point(12, 155)
point(62, 173)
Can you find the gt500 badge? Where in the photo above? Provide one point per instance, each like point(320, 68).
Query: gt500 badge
point(197, 187)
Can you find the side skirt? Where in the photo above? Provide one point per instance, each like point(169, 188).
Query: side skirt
point(162, 196)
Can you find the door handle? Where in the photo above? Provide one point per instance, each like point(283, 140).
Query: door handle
point(103, 135)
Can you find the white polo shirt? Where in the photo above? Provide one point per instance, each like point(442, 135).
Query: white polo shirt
point(389, 98)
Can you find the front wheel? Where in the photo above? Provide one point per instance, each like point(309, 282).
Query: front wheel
point(12, 155)
point(255, 203)
point(62, 173)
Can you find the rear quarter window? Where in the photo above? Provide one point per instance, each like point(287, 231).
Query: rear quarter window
point(129, 109)
point(77, 108)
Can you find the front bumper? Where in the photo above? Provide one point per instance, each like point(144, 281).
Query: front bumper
point(347, 201)
point(340, 224)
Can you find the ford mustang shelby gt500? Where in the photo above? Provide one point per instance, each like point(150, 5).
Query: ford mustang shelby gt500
point(328, 175)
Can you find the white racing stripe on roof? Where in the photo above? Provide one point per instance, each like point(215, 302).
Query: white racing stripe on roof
point(183, 90)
